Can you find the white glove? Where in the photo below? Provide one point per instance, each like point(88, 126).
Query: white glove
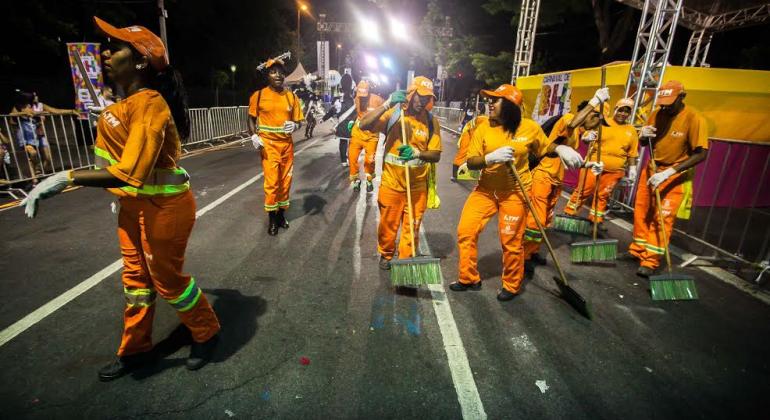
point(632, 173)
point(569, 156)
point(596, 167)
point(503, 154)
point(660, 177)
point(648, 131)
point(601, 95)
point(290, 127)
point(257, 141)
point(51, 186)
point(590, 136)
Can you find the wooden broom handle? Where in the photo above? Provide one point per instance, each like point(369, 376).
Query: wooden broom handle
point(660, 210)
point(408, 186)
point(539, 224)
point(598, 156)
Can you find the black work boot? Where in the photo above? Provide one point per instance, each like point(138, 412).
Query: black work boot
point(123, 365)
point(461, 287)
point(384, 263)
point(282, 219)
point(200, 353)
point(538, 259)
point(504, 295)
point(272, 226)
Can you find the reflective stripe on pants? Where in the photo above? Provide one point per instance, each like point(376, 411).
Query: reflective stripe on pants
point(153, 237)
point(511, 212)
point(607, 181)
point(277, 165)
point(393, 213)
point(544, 196)
point(648, 245)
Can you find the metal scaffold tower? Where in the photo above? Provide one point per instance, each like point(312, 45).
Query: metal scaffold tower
point(653, 43)
point(698, 48)
point(525, 38)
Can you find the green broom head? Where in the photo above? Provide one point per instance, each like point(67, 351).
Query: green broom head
point(673, 287)
point(572, 224)
point(415, 271)
point(574, 299)
point(594, 251)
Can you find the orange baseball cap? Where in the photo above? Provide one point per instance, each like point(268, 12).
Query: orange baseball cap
point(506, 91)
point(142, 39)
point(423, 86)
point(624, 102)
point(362, 89)
point(668, 93)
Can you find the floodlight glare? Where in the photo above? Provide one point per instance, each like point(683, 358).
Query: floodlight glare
point(369, 30)
point(371, 61)
point(387, 62)
point(398, 29)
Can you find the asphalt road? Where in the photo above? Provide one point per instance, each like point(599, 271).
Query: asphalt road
point(315, 292)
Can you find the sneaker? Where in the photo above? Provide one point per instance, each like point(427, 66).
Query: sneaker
point(123, 365)
point(200, 353)
point(645, 272)
point(369, 186)
point(356, 184)
point(461, 287)
point(345, 164)
point(384, 264)
point(504, 295)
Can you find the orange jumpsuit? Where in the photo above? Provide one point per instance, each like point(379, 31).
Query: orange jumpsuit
point(498, 192)
point(272, 109)
point(137, 142)
point(363, 140)
point(688, 132)
point(392, 196)
point(546, 185)
point(619, 143)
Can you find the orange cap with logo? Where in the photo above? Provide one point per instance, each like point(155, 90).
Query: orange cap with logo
point(668, 93)
point(508, 92)
point(142, 39)
point(362, 89)
point(624, 102)
point(423, 86)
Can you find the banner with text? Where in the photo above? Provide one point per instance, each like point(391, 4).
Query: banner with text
point(90, 62)
point(554, 97)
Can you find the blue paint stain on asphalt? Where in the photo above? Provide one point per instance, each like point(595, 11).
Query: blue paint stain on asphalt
point(266, 394)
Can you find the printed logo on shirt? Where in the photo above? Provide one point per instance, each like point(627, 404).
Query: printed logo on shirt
point(509, 218)
point(134, 29)
point(420, 133)
point(520, 139)
point(677, 133)
point(110, 119)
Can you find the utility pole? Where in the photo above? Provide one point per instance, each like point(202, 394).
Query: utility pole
point(163, 15)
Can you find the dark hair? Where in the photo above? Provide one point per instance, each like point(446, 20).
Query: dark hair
point(169, 84)
point(582, 105)
point(510, 116)
point(22, 99)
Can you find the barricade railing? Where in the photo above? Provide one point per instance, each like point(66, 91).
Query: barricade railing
point(450, 118)
point(36, 146)
point(730, 215)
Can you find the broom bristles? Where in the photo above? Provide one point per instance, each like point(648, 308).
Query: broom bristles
point(415, 271)
point(572, 224)
point(590, 251)
point(673, 287)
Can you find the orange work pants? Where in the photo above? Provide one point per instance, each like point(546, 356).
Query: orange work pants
point(370, 148)
point(480, 206)
point(278, 165)
point(607, 181)
point(544, 196)
point(648, 245)
point(153, 236)
point(394, 213)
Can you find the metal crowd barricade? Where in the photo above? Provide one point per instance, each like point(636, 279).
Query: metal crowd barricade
point(722, 226)
point(450, 118)
point(37, 146)
point(33, 147)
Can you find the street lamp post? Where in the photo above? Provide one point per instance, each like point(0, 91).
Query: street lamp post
point(301, 8)
point(232, 80)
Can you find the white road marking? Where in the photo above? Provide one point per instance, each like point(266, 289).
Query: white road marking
point(42, 312)
point(716, 272)
point(462, 376)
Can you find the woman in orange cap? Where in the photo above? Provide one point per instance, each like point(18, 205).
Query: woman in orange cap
point(498, 145)
point(138, 146)
point(620, 145)
point(365, 140)
point(421, 147)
